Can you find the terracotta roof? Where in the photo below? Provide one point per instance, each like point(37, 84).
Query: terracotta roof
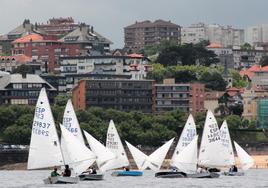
point(215, 45)
point(233, 91)
point(136, 56)
point(250, 72)
point(28, 38)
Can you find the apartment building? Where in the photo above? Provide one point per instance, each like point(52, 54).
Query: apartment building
point(141, 34)
point(189, 97)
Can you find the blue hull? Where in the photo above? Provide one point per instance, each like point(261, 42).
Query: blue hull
point(127, 173)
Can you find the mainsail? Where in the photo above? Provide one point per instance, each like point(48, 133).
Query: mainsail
point(103, 154)
point(45, 149)
point(246, 160)
point(227, 143)
point(212, 152)
point(114, 144)
point(79, 155)
point(186, 160)
point(187, 135)
point(155, 160)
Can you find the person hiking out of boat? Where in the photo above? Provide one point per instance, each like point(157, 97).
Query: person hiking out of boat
point(67, 171)
point(202, 169)
point(54, 173)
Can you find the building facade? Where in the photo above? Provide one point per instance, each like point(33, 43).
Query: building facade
point(225, 36)
point(188, 97)
point(123, 95)
point(257, 35)
point(146, 33)
point(87, 40)
point(23, 89)
point(136, 66)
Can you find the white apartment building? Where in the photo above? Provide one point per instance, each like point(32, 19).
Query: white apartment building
point(225, 36)
point(194, 34)
point(256, 35)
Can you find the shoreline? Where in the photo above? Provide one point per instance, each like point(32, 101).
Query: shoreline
point(261, 162)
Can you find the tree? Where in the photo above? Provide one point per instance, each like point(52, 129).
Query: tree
point(234, 121)
point(23, 69)
point(213, 80)
point(61, 99)
point(187, 54)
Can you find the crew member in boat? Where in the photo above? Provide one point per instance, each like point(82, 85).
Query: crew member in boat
point(54, 173)
point(126, 168)
point(67, 171)
point(233, 169)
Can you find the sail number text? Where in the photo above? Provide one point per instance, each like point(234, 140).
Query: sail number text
point(67, 123)
point(213, 134)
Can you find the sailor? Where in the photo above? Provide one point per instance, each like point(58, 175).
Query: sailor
point(94, 171)
point(233, 169)
point(54, 173)
point(126, 168)
point(67, 171)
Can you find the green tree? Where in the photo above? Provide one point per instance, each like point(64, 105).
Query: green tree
point(213, 80)
point(234, 121)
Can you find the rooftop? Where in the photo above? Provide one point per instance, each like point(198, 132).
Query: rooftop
point(156, 23)
point(250, 72)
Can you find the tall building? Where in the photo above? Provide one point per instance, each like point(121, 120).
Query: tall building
point(195, 33)
point(141, 34)
point(189, 97)
point(123, 95)
point(257, 35)
point(225, 36)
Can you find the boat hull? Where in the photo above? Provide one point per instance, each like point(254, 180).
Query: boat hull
point(204, 175)
point(171, 175)
point(184, 175)
point(127, 173)
point(91, 177)
point(61, 180)
point(234, 173)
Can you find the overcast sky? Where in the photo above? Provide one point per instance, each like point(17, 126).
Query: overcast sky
point(109, 17)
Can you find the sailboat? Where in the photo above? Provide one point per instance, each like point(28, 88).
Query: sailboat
point(103, 156)
point(70, 122)
point(114, 144)
point(245, 159)
point(79, 155)
point(153, 161)
point(212, 153)
point(45, 150)
point(187, 136)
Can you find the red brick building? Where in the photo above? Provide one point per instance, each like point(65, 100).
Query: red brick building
point(45, 48)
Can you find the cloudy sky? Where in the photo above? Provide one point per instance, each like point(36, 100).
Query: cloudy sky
point(109, 17)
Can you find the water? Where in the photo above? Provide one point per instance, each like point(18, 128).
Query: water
point(25, 179)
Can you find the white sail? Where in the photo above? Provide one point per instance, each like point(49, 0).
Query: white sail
point(187, 135)
point(186, 160)
point(103, 154)
point(211, 152)
point(246, 160)
point(227, 143)
point(70, 121)
point(155, 160)
point(80, 156)
point(138, 156)
point(44, 146)
point(114, 143)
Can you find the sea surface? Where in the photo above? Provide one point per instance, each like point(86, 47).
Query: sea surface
point(253, 178)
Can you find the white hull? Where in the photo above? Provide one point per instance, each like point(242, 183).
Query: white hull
point(61, 180)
